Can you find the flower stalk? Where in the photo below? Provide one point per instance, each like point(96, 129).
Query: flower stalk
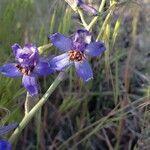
point(82, 18)
point(95, 19)
point(36, 108)
point(30, 101)
point(44, 47)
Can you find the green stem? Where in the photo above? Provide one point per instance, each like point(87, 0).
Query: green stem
point(36, 108)
point(105, 22)
point(38, 128)
point(114, 4)
point(82, 18)
point(44, 47)
point(30, 101)
point(96, 18)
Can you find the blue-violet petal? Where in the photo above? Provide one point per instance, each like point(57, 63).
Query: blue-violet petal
point(95, 49)
point(30, 84)
point(43, 68)
point(61, 42)
point(10, 70)
point(16, 48)
point(84, 70)
point(61, 62)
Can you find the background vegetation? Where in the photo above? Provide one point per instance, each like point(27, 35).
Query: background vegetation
point(109, 112)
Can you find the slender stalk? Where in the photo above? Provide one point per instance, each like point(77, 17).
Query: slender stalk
point(111, 8)
point(82, 18)
point(38, 128)
point(96, 18)
point(44, 47)
point(30, 101)
point(36, 108)
point(104, 25)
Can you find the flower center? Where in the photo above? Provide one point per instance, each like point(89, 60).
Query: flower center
point(25, 70)
point(76, 55)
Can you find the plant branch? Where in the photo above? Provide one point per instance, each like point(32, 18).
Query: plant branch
point(82, 18)
point(96, 18)
point(27, 118)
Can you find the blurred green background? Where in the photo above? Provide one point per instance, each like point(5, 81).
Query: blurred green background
point(109, 112)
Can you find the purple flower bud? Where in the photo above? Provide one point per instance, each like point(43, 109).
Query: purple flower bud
point(88, 9)
point(79, 3)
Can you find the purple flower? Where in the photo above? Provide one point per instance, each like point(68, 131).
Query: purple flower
point(4, 144)
point(6, 129)
point(79, 3)
point(29, 65)
point(76, 48)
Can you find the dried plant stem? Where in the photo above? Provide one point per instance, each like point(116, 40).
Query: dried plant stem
point(97, 125)
point(36, 108)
